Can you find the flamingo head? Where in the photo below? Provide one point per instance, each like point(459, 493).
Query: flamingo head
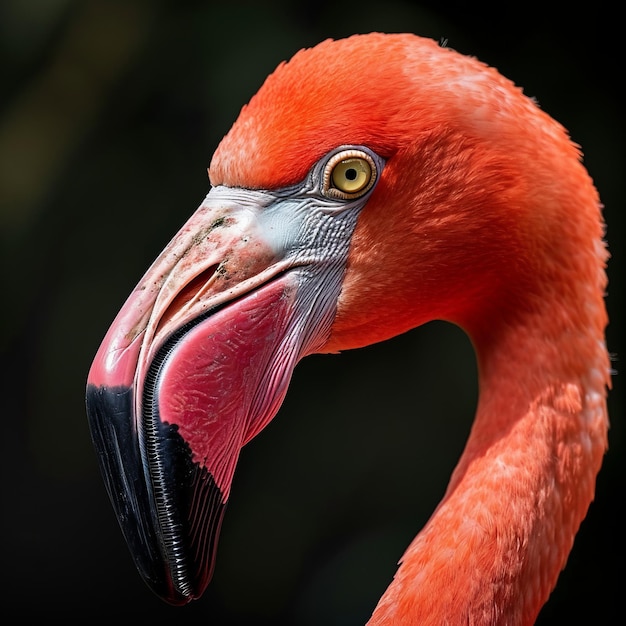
point(372, 184)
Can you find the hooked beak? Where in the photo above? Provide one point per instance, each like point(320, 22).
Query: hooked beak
point(196, 363)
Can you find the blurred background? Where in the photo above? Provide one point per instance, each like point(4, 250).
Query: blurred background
point(109, 114)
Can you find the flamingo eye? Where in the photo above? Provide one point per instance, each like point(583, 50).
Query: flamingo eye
point(349, 174)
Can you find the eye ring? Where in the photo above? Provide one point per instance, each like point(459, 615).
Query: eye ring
point(349, 174)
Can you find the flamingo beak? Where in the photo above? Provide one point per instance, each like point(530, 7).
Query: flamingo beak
point(196, 363)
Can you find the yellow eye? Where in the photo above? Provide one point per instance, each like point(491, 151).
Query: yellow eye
point(352, 175)
point(349, 174)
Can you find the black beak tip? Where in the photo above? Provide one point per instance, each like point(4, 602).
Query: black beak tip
point(161, 550)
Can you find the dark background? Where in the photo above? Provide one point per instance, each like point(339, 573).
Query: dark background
point(109, 113)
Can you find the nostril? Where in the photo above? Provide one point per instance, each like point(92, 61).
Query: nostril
point(190, 290)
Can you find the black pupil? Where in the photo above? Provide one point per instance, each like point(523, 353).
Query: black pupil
point(351, 174)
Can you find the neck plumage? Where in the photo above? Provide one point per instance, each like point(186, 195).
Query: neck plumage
point(492, 551)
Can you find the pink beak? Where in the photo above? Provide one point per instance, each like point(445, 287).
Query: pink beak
point(196, 363)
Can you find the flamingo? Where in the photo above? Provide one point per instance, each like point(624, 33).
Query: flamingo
point(372, 184)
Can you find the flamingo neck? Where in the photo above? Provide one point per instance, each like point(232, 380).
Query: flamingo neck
point(492, 551)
